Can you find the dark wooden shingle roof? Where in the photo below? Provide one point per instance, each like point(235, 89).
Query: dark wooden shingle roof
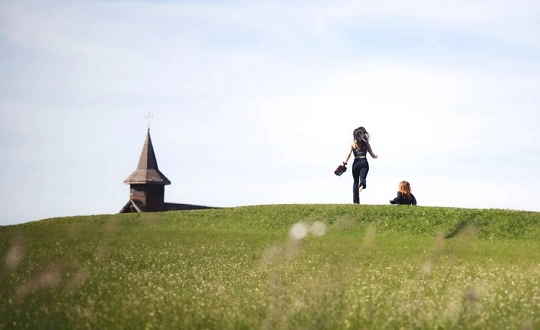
point(147, 171)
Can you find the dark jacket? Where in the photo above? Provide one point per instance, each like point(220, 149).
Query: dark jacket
point(403, 200)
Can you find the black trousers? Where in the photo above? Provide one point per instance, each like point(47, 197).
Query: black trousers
point(360, 170)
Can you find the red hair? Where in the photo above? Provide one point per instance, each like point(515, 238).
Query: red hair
point(405, 189)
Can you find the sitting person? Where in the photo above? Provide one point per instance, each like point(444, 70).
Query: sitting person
point(404, 195)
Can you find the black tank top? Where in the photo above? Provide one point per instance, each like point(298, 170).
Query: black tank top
point(359, 153)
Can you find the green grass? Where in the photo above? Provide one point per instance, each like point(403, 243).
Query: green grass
point(358, 267)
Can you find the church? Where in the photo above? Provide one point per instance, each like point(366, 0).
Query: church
point(147, 185)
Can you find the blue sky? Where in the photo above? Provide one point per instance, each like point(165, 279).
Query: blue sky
point(255, 102)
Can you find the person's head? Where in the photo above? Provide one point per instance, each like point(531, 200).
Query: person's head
point(361, 135)
point(405, 188)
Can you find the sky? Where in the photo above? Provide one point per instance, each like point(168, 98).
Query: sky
point(255, 102)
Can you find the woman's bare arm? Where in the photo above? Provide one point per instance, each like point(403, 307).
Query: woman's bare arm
point(348, 155)
point(371, 151)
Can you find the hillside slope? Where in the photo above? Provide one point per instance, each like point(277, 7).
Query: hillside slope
point(491, 223)
point(275, 266)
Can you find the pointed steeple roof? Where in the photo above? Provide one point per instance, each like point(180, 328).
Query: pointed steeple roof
point(147, 171)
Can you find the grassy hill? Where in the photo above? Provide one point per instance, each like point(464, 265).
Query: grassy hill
point(275, 267)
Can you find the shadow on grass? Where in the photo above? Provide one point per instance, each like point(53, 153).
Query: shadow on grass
point(468, 227)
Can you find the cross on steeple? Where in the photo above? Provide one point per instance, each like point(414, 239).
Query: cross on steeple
point(148, 118)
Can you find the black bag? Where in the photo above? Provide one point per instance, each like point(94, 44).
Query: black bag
point(340, 170)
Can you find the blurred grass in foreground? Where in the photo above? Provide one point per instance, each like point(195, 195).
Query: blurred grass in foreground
point(275, 267)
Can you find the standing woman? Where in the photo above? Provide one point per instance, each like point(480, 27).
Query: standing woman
point(360, 147)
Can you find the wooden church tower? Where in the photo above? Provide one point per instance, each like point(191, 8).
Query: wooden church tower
point(146, 183)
